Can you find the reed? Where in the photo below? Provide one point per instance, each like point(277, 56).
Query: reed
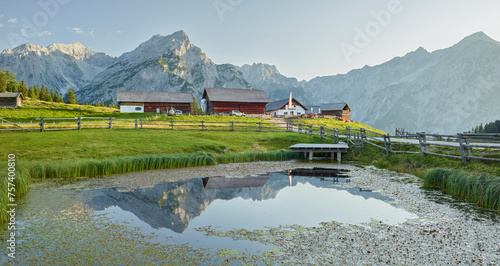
point(21, 183)
point(483, 190)
point(281, 155)
point(92, 167)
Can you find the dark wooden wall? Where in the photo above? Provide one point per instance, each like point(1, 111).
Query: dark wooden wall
point(11, 102)
point(247, 108)
point(342, 115)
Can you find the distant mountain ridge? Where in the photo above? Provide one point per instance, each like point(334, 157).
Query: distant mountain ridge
point(446, 91)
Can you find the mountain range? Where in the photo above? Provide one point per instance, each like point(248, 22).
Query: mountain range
point(445, 91)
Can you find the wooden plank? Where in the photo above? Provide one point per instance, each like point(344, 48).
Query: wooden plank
point(15, 124)
point(483, 158)
point(443, 155)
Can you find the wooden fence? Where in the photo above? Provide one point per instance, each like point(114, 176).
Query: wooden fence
point(462, 143)
point(78, 123)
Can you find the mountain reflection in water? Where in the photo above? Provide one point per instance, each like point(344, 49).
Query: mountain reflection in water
point(175, 205)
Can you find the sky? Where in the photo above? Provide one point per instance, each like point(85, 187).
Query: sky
point(303, 39)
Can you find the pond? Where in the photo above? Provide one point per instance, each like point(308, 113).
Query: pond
point(64, 220)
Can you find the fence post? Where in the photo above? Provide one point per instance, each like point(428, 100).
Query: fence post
point(363, 137)
point(462, 150)
point(424, 138)
point(202, 126)
point(136, 123)
point(356, 141)
point(467, 141)
point(299, 129)
point(287, 126)
point(79, 123)
point(310, 130)
point(42, 128)
point(421, 143)
point(110, 123)
point(389, 144)
point(321, 131)
point(172, 124)
point(386, 146)
point(348, 133)
point(260, 126)
point(232, 125)
point(141, 123)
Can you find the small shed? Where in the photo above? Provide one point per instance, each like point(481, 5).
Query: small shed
point(286, 107)
point(340, 110)
point(11, 99)
point(154, 101)
point(223, 100)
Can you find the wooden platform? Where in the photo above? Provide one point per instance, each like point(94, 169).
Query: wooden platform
point(311, 148)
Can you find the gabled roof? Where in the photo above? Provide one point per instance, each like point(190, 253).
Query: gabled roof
point(279, 104)
point(154, 97)
point(235, 95)
point(334, 107)
point(11, 95)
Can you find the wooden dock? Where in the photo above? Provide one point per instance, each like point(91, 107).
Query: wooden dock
point(311, 148)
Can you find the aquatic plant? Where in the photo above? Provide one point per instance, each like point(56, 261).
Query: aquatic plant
point(21, 183)
point(483, 190)
point(101, 167)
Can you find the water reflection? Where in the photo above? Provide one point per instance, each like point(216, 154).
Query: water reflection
point(253, 202)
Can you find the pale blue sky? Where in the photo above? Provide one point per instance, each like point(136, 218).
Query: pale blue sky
point(304, 39)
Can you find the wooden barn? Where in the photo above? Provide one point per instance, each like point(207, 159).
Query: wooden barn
point(154, 101)
point(340, 110)
point(286, 107)
point(222, 100)
point(11, 99)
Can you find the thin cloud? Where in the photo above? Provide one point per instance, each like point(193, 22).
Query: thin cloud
point(1, 15)
point(1, 25)
point(43, 33)
point(77, 30)
point(92, 33)
point(12, 20)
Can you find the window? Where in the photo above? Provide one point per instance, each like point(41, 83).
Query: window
point(138, 108)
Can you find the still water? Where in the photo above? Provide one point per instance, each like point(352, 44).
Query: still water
point(174, 210)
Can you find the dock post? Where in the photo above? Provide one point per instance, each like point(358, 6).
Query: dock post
point(332, 155)
point(339, 156)
point(310, 156)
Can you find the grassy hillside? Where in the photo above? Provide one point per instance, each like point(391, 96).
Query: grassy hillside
point(333, 123)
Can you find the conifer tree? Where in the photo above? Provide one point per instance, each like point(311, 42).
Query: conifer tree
point(53, 94)
point(23, 89)
point(31, 92)
point(71, 97)
point(3, 81)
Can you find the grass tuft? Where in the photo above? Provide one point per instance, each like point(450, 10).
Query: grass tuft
point(483, 190)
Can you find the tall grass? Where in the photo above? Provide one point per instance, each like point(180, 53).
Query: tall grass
point(483, 190)
point(21, 183)
point(258, 156)
point(92, 167)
